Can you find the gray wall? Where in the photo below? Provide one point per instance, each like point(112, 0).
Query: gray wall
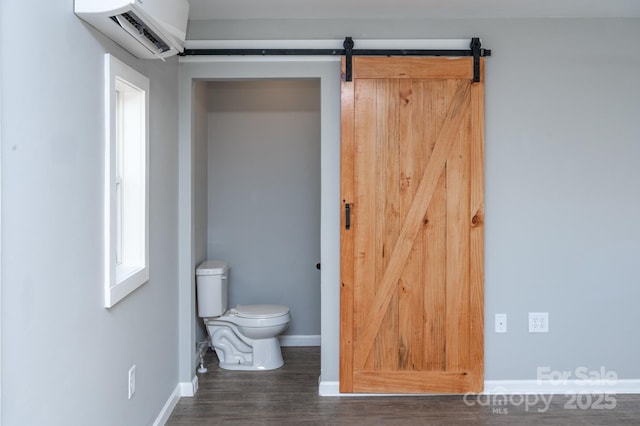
point(64, 356)
point(562, 193)
point(264, 193)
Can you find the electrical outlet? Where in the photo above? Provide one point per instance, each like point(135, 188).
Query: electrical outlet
point(538, 322)
point(132, 381)
point(501, 323)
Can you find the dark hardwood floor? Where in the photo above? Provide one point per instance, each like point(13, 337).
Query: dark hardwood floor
point(289, 396)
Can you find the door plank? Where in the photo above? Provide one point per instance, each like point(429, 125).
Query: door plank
point(408, 67)
point(375, 315)
point(457, 252)
point(410, 288)
point(411, 381)
point(347, 144)
point(365, 198)
point(387, 218)
point(434, 238)
point(476, 237)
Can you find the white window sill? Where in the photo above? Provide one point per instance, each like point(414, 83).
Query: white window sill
point(128, 278)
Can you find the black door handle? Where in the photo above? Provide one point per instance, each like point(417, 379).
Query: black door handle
point(347, 218)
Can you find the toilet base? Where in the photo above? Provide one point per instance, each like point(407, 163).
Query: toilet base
point(266, 355)
point(236, 353)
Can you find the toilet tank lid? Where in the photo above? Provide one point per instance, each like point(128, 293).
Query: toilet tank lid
point(212, 267)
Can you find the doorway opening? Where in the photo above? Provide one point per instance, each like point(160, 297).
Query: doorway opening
point(193, 195)
point(257, 194)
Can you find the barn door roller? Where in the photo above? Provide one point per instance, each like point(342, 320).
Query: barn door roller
point(475, 51)
point(348, 53)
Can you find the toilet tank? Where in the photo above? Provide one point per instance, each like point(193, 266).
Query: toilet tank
point(211, 287)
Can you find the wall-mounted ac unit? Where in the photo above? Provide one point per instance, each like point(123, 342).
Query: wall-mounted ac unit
point(146, 28)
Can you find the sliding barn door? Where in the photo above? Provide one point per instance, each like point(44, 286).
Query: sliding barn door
point(411, 313)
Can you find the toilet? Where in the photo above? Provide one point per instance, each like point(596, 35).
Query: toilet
point(244, 337)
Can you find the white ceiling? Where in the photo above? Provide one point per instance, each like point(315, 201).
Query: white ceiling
point(369, 9)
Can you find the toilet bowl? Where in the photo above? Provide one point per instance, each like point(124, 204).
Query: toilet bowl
point(245, 337)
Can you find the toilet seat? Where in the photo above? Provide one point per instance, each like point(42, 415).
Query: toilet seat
point(256, 315)
point(260, 311)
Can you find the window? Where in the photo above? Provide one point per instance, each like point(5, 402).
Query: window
point(126, 181)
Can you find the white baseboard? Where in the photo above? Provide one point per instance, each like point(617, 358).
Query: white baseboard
point(551, 387)
point(189, 389)
point(166, 411)
point(303, 340)
point(326, 388)
point(522, 387)
point(183, 389)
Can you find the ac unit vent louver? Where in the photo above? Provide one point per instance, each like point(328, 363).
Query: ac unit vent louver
point(130, 22)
